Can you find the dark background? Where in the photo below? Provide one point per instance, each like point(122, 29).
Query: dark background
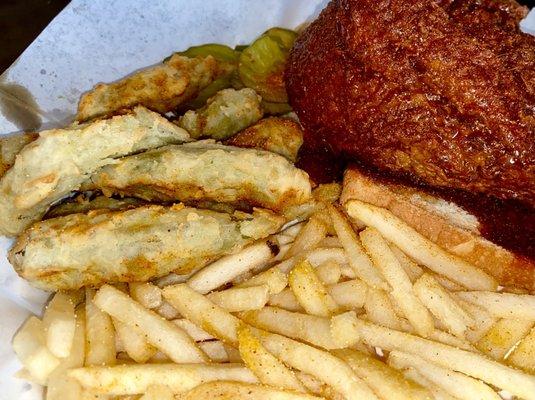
point(21, 21)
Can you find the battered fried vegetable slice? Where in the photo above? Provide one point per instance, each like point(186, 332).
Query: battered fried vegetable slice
point(276, 108)
point(206, 171)
point(10, 146)
point(278, 135)
point(220, 52)
point(228, 112)
point(50, 168)
point(262, 64)
point(162, 88)
point(81, 204)
point(134, 245)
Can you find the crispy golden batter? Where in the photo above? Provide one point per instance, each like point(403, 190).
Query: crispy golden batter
point(162, 88)
point(10, 146)
point(206, 171)
point(278, 135)
point(56, 164)
point(134, 245)
point(81, 204)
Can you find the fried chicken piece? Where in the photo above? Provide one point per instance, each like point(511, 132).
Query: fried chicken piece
point(206, 171)
point(135, 245)
point(161, 88)
point(413, 92)
point(60, 160)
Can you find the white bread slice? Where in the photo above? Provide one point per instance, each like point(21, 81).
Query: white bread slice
point(445, 224)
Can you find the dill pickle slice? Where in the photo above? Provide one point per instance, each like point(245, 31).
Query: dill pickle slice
point(218, 51)
point(240, 47)
point(261, 68)
point(276, 108)
point(285, 37)
point(219, 84)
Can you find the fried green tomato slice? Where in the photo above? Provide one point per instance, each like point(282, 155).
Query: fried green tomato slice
point(134, 245)
point(278, 135)
point(224, 114)
point(206, 171)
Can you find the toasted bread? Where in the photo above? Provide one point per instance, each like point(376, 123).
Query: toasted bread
point(444, 223)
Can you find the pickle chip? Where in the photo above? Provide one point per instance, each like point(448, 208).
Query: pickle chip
point(261, 65)
point(218, 51)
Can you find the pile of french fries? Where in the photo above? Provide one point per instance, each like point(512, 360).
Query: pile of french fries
point(350, 308)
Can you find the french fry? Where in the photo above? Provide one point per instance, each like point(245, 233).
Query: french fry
point(455, 383)
point(308, 238)
point(523, 356)
point(147, 294)
point(121, 380)
point(483, 320)
point(358, 259)
point(309, 328)
point(311, 383)
point(174, 279)
point(202, 312)
point(163, 334)
point(316, 257)
point(437, 392)
point(503, 305)
point(413, 270)
point(293, 231)
point(285, 300)
point(447, 284)
point(330, 241)
point(380, 310)
point(167, 311)
point(503, 336)
point(310, 292)
point(419, 248)
point(193, 330)
point(158, 392)
point(471, 364)
point(134, 342)
point(241, 299)
point(318, 363)
point(442, 305)
point(274, 278)
point(100, 334)
point(402, 290)
point(385, 381)
point(233, 354)
point(59, 323)
point(329, 272)
point(229, 267)
point(349, 295)
point(29, 345)
point(220, 390)
point(269, 370)
point(215, 350)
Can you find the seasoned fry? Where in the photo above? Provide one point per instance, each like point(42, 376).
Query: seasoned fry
point(77, 250)
point(419, 248)
point(135, 344)
point(29, 345)
point(201, 172)
point(59, 323)
point(269, 370)
point(167, 311)
point(278, 135)
point(161, 88)
point(203, 313)
point(523, 356)
point(226, 113)
point(402, 290)
point(329, 272)
point(273, 278)
point(285, 300)
point(310, 292)
point(309, 328)
point(100, 334)
point(158, 392)
point(308, 238)
point(413, 270)
point(162, 334)
point(385, 381)
point(442, 305)
point(223, 390)
point(483, 320)
point(456, 384)
point(471, 364)
point(229, 267)
point(349, 294)
point(358, 259)
point(193, 330)
point(215, 351)
point(137, 378)
point(503, 305)
point(147, 294)
point(380, 310)
point(37, 180)
point(318, 363)
point(241, 299)
point(503, 336)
